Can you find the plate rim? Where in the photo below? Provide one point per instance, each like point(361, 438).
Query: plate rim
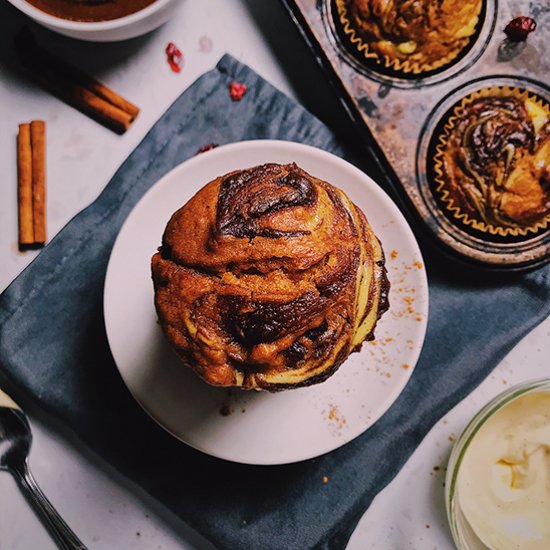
point(372, 186)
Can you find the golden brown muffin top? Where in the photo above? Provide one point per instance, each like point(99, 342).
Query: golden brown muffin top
point(266, 277)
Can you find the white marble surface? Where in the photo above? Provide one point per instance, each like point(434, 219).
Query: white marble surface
point(82, 156)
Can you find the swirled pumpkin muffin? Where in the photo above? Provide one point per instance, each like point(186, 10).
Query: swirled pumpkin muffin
point(411, 36)
point(268, 278)
point(492, 165)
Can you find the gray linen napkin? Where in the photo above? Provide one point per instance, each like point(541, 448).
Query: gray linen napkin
point(54, 354)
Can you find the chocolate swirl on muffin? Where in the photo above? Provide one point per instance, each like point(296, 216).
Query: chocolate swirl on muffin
point(412, 36)
point(493, 164)
point(268, 278)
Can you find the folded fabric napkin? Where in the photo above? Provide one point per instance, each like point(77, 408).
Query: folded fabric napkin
point(54, 354)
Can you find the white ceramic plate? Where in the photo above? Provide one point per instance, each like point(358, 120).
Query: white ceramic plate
point(248, 426)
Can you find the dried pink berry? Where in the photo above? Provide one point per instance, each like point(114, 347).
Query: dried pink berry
point(518, 29)
point(237, 90)
point(174, 57)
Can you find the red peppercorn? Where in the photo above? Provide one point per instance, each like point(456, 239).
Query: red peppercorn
point(174, 57)
point(237, 90)
point(518, 29)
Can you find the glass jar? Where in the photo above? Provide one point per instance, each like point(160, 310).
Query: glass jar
point(463, 534)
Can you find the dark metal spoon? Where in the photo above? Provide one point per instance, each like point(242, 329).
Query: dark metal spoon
point(15, 443)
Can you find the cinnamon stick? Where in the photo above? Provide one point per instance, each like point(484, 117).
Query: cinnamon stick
point(38, 146)
point(75, 87)
point(31, 183)
point(24, 185)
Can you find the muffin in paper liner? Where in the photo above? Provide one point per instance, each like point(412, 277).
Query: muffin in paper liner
point(491, 168)
point(411, 37)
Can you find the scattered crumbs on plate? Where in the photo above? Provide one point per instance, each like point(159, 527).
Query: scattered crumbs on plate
point(336, 420)
point(205, 44)
point(437, 468)
point(427, 525)
point(405, 366)
point(403, 305)
point(388, 375)
point(393, 254)
point(451, 438)
point(243, 410)
point(138, 534)
point(325, 479)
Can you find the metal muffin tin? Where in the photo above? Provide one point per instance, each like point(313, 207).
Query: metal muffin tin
point(397, 115)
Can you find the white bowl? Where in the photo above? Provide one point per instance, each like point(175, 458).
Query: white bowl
point(129, 26)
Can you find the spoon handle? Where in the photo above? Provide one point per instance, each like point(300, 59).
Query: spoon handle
point(60, 531)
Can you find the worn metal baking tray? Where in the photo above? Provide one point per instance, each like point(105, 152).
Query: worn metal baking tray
point(396, 115)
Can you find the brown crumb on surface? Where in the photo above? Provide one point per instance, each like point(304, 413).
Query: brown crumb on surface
point(207, 147)
point(393, 254)
point(388, 375)
point(325, 479)
point(427, 525)
point(418, 264)
point(225, 410)
point(451, 438)
point(138, 534)
point(436, 468)
point(405, 366)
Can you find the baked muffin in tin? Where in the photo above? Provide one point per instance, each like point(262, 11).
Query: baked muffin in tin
point(408, 37)
point(491, 167)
